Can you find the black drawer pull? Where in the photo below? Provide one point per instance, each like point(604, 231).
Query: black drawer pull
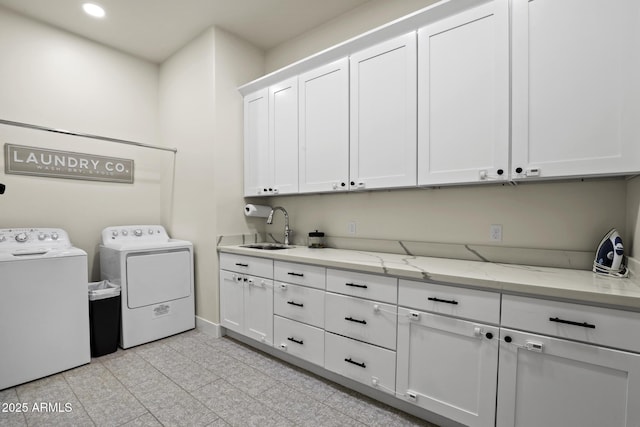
point(355, 285)
point(295, 274)
point(362, 365)
point(239, 264)
point(448, 301)
point(297, 304)
point(295, 340)
point(351, 319)
point(569, 322)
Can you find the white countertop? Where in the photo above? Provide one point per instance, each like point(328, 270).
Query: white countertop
point(578, 285)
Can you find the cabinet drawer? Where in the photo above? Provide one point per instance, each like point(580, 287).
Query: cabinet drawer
point(298, 339)
point(361, 319)
point(365, 363)
point(299, 303)
point(370, 286)
point(247, 264)
point(300, 274)
point(460, 302)
point(603, 326)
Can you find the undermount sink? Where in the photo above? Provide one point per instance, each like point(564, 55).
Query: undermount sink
point(267, 246)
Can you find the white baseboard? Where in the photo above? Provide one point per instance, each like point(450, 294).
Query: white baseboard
point(208, 327)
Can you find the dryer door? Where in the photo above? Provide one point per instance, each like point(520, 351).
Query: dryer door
point(154, 277)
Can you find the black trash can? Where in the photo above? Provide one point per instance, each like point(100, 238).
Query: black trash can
point(104, 317)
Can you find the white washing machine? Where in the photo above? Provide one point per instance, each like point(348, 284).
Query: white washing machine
point(156, 276)
point(44, 308)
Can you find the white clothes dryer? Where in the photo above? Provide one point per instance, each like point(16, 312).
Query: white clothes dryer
point(44, 307)
point(156, 278)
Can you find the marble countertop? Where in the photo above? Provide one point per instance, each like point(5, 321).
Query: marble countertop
point(578, 285)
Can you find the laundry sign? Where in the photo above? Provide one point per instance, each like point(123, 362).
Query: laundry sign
point(22, 160)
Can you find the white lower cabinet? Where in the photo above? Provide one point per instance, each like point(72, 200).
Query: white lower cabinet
point(448, 366)
point(231, 301)
point(298, 339)
point(299, 303)
point(547, 381)
point(362, 362)
point(476, 357)
point(361, 319)
point(246, 305)
point(561, 373)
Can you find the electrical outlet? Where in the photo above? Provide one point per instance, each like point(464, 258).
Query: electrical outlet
point(495, 232)
point(351, 228)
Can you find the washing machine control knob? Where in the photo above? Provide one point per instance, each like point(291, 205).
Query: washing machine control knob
point(54, 236)
point(125, 232)
point(114, 233)
point(151, 231)
point(137, 232)
point(21, 237)
point(42, 236)
point(2, 238)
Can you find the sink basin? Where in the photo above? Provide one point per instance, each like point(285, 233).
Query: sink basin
point(267, 246)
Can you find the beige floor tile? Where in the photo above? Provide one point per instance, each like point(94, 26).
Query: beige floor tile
point(192, 379)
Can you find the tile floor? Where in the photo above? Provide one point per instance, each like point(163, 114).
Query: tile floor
point(193, 379)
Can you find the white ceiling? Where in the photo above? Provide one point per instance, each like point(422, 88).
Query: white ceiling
point(154, 29)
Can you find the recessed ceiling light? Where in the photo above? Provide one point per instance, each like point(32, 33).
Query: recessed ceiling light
point(93, 10)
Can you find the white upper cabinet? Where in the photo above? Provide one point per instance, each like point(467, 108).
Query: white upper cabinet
point(383, 143)
point(324, 128)
point(271, 140)
point(576, 91)
point(256, 143)
point(283, 136)
point(485, 91)
point(463, 97)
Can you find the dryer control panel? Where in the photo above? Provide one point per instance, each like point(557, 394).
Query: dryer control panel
point(12, 239)
point(134, 233)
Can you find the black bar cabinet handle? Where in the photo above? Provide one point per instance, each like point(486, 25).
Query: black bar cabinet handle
point(361, 364)
point(295, 340)
point(297, 304)
point(295, 274)
point(569, 322)
point(239, 264)
point(355, 285)
point(351, 319)
point(448, 301)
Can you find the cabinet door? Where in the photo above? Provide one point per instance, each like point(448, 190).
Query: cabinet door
point(463, 97)
point(258, 309)
point(383, 145)
point(448, 366)
point(562, 383)
point(324, 128)
point(576, 92)
point(231, 301)
point(283, 136)
point(256, 143)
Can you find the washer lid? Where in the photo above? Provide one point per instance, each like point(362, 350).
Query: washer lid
point(23, 243)
point(40, 253)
